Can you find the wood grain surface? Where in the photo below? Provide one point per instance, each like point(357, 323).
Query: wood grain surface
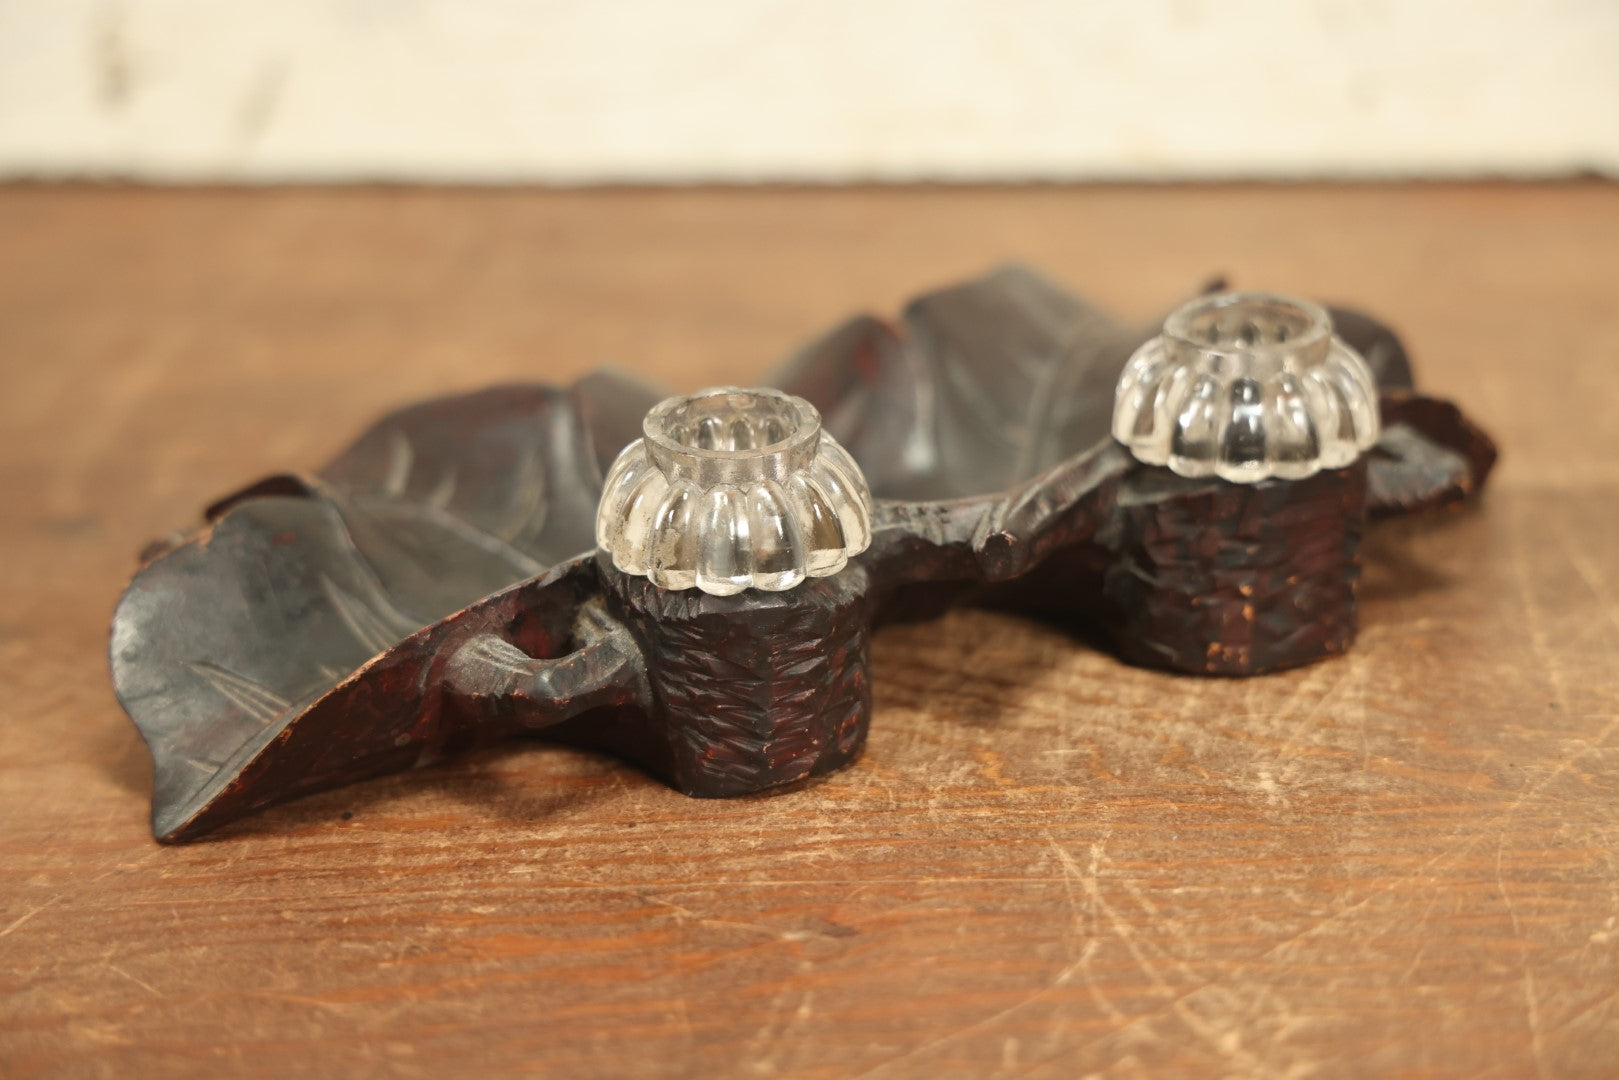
point(1048, 864)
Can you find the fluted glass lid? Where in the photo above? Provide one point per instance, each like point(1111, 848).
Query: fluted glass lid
point(730, 489)
point(1246, 387)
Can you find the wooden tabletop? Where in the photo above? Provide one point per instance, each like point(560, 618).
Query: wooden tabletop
point(1402, 862)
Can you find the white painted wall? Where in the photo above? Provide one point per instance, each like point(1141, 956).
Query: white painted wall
point(664, 90)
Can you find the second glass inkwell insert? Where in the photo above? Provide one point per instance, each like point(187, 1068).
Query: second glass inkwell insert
point(1246, 387)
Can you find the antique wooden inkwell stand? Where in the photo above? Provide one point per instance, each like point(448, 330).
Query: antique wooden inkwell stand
point(692, 585)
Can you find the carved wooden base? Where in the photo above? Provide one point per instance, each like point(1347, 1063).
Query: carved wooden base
point(1227, 579)
point(1205, 577)
point(751, 691)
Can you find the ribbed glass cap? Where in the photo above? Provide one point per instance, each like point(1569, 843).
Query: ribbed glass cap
point(730, 489)
point(1246, 386)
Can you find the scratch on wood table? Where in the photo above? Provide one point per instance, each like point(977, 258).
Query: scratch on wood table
point(1047, 865)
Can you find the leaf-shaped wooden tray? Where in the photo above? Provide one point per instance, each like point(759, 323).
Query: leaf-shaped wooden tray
point(435, 587)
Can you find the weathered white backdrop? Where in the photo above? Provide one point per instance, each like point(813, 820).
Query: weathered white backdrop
point(680, 90)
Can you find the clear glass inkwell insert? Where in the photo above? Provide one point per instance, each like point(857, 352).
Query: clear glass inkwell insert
point(1245, 387)
point(730, 489)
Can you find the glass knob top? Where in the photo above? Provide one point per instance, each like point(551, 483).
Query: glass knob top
point(730, 489)
point(1246, 387)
